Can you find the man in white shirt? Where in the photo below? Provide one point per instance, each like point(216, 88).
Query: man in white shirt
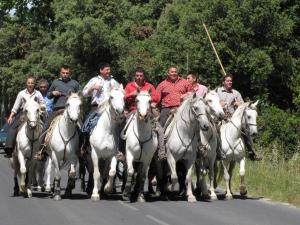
point(13, 119)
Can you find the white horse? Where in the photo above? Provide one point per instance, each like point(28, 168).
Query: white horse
point(182, 137)
point(27, 145)
point(64, 145)
point(141, 144)
point(104, 139)
point(208, 145)
point(242, 120)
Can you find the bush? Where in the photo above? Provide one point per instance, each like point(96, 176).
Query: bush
point(279, 128)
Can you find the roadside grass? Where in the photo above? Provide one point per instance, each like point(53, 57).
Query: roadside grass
point(271, 178)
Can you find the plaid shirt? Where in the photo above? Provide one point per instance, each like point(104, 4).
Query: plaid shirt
point(170, 93)
point(130, 100)
point(229, 97)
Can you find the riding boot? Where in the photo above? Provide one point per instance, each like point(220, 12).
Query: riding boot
point(220, 152)
point(252, 154)
point(161, 141)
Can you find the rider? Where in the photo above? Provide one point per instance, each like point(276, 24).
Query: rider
point(98, 88)
point(43, 88)
point(171, 93)
point(230, 99)
point(14, 117)
point(199, 88)
point(130, 96)
point(59, 91)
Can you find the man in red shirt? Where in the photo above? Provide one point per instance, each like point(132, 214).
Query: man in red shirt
point(171, 92)
point(130, 95)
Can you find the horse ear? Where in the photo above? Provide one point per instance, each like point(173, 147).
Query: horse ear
point(36, 99)
point(149, 91)
point(80, 94)
point(254, 105)
point(204, 95)
point(69, 93)
point(121, 86)
point(194, 95)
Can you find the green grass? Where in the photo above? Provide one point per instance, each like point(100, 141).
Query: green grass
point(278, 180)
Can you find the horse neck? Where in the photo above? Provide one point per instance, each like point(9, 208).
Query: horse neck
point(108, 118)
point(185, 120)
point(236, 122)
point(33, 134)
point(65, 125)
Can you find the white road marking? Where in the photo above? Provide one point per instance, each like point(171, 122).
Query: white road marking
point(157, 220)
point(127, 205)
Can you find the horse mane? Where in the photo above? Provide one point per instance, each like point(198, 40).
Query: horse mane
point(240, 110)
point(103, 106)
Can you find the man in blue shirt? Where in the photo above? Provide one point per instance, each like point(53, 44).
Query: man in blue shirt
point(43, 87)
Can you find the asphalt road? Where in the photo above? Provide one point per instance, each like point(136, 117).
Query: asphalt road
point(42, 210)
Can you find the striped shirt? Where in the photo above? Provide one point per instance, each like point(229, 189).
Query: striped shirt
point(99, 96)
point(170, 93)
point(23, 96)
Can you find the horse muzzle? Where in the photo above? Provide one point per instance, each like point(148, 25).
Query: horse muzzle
point(32, 125)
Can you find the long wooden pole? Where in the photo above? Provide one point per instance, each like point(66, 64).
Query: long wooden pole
point(212, 45)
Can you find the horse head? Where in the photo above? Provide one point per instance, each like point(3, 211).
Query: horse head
point(73, 107)
point(213, 102)
point(143, 102)
point(116, 100)
point(32, 112)
point(198, 108)
point(250, 116)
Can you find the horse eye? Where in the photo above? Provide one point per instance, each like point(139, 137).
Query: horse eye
point(249, 117)
point(209, 100)
point(196, 108)
point(67, 105)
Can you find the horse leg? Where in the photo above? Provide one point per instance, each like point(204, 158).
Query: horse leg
point(95, 195)
point(82, 172)
point(71, 179)
point(189, 191)
point(48, 175)
point(22, 172)
point(16, 167)
point(243, 189)
point(211, 175)
point(57, 178)
point(40, 172)
point(31, 166)
point(130, 170)
point(201, 181)
point(225, 165)
point(112, 173)
point(172, 165)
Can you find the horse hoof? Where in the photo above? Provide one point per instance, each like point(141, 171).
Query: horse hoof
point(243, 191)
point(141, 198)
point(213, 198)
point(108, 188)
point(229, 197)
point(192, 199)
point(125, 197)
point(57, 198)
point(48, 189)
point(16, 193)
point(29, 193)
point(95, 198)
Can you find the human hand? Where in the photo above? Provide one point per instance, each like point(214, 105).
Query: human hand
point(97, 87)
point(9, 120)
point(56, 93)
point(222, 103)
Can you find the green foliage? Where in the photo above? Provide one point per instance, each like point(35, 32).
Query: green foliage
point(279, 128)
